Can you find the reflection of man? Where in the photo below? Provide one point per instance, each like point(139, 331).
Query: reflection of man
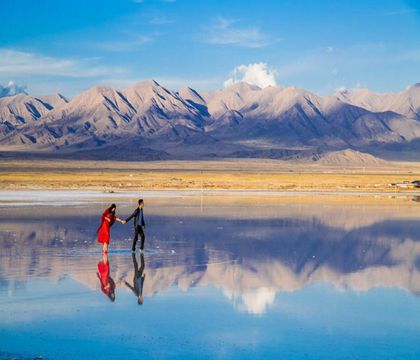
point(138, 279)
point(138, 225)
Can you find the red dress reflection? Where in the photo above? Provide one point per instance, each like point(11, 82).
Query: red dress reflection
point(107, 284)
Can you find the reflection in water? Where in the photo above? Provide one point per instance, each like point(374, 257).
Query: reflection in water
point(209, 272)
point(255, 301)
point(249, 258)
point(138, 278)
point(107, 283)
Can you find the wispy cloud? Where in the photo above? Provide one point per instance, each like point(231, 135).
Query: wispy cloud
point(331, 67)
point(125, 44)
point(407, 56)
point(160, 20)
point(30, 63)
point(399, 12)
point(357, 56)
point(225, 31)
point(163, 1)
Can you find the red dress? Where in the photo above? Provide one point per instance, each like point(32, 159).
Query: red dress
point(107, 284)
point(104, 229)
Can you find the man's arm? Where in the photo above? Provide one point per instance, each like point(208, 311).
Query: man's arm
point(130, 287)
point(132, 215)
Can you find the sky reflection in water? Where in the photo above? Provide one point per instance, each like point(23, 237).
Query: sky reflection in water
point(283, 280)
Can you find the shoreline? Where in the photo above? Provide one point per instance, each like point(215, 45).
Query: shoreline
point(88, 193)
point(65, 197)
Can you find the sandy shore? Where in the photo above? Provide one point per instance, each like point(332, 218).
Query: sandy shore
point(232, 175)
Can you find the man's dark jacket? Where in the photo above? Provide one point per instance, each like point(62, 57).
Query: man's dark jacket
point(137, 215)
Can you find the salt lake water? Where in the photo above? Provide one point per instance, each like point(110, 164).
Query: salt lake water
point(229, 277)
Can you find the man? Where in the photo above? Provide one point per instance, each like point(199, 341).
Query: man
point(138, 225)
point(138, 279)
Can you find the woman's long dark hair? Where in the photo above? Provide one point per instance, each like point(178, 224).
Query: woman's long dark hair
point(113, 206)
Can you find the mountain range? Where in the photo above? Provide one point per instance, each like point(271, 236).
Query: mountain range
point(149, 121)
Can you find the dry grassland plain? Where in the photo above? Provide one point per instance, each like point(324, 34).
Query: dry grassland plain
point(255, 175)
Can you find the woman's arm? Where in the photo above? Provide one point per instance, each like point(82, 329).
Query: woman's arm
point(120, 220)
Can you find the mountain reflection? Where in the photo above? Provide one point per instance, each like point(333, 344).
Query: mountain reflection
point(250, 258)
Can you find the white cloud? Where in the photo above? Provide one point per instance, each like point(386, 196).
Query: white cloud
point(125, 45)
point(28, 63)
point(11, 89)
point(255, 301)
point(227, 32)
point(255, 74)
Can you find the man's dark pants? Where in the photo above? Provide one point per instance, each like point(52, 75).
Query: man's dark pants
point(138, 231)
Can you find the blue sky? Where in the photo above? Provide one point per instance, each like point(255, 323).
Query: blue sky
point(68, 46)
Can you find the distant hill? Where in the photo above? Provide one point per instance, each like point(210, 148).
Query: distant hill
point(148, 120)
point(349, 157)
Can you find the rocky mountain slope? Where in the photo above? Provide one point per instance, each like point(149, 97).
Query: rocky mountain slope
point(240, 121)
point(21, 109)
point(406, 102)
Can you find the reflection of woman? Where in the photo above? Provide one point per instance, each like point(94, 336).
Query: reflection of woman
point(104, 230)
point(107, 284)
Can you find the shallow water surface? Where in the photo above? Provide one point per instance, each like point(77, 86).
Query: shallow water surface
point(287, 278)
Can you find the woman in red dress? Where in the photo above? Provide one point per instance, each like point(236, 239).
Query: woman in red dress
point(107, 284)
point(104, 230)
